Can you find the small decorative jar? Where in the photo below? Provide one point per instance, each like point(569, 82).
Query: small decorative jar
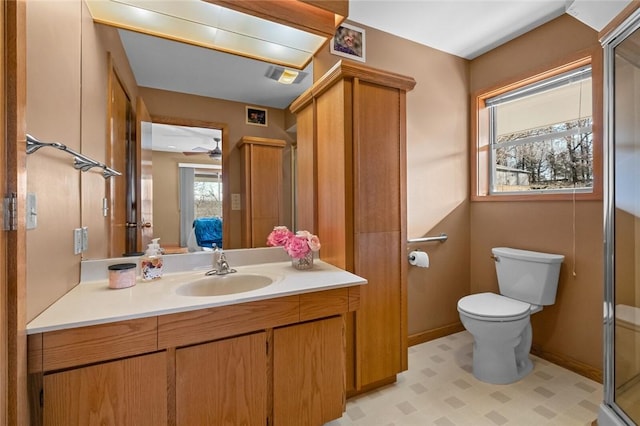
point(304, 262)
point(122, 275)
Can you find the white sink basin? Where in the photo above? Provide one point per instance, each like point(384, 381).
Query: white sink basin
point(220, 285)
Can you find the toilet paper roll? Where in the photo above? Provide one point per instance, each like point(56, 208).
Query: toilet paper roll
point(419, 259)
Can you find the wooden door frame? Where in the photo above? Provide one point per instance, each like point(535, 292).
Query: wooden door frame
point(129, 124)
point(13, 352)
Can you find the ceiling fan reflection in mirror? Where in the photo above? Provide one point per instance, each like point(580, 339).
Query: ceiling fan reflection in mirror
point(187, 140)
point(215, 153)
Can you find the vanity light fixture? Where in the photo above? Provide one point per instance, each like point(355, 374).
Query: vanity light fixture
point(285, 75)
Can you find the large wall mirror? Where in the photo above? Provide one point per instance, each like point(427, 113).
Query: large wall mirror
point(195, 101)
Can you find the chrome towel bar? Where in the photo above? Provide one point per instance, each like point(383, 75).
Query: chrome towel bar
point(80, 162)
point(442, 238)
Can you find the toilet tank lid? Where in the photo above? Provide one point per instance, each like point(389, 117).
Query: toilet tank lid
point(531, 256)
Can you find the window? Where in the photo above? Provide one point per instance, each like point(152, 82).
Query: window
point(200, 195)
point(536, 138)
point(207, 194)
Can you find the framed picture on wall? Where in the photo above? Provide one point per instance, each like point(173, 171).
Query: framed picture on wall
point(348, 41)
point(256, 116)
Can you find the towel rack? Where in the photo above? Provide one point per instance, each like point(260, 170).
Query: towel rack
point(442, 238)
point(80, 162)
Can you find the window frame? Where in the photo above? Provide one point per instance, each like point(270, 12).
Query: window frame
point(480, 157)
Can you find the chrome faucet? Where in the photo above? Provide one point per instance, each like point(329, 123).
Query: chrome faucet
point(221, 266)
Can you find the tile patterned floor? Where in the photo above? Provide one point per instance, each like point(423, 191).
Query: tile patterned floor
point(439, 389)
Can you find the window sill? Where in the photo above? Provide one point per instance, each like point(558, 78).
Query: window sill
point(591, 196)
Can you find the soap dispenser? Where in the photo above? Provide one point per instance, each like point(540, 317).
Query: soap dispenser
point(151, 262)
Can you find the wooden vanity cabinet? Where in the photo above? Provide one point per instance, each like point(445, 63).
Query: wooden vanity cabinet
point(108, 374)
point(309, 373)
point(223, 382)
point(353, 125)
point(278, 361)
point(123, 392)
point(262, 193)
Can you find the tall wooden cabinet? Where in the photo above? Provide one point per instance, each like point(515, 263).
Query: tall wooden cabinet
point(262, 193)
point(353, 123)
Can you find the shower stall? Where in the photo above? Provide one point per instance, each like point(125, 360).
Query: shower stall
point(621, 405)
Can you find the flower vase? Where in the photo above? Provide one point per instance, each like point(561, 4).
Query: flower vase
point(304, 262)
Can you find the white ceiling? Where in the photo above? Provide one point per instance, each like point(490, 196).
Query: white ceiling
point(469, 28)
point(465, 28)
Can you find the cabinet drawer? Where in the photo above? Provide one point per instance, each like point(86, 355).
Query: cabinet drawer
point(187, 328)
point(85, 345)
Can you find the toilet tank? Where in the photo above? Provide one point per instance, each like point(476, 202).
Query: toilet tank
point(528, 276)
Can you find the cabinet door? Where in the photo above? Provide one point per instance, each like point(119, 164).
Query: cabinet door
point(223, 382)
point(263, 206)
point(131, 391)
point(308, 373)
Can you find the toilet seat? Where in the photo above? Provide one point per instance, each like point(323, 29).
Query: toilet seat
point(493, 307)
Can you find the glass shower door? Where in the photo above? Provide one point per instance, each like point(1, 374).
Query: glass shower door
point(622, 224)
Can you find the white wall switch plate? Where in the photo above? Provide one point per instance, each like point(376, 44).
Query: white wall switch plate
point(32, 211)
point(85, 238)
point(235, 202)
point(77, 241)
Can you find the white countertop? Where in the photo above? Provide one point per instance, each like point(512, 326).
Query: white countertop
point(93, 302)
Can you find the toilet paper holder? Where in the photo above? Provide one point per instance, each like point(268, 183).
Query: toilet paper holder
point(419, 258)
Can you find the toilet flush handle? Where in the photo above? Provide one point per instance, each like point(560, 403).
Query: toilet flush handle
point(496, 258)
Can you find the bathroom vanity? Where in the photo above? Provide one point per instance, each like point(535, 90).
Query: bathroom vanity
point(152, 354)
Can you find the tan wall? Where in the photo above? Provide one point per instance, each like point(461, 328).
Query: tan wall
point(101, 49)
point(437, 170)
point(572, 328)
point(166, 195)
point(67, 68)
point(232, 114)
point(53, 114)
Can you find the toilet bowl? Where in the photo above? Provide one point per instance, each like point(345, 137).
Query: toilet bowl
point(500, 323)
point(502, 336)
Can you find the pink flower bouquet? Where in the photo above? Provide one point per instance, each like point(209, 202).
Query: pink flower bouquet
point(297, 245)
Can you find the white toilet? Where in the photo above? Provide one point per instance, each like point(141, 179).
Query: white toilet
point(500, 323)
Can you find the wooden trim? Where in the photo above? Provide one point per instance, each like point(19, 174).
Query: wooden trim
point(323, 304)
point(404, 292)
point(352, 71)
point(371, 386)
point(270, 375)
point(304, 16)
point(339, 7)
point(34, 353)
point(254, 140)
point(187, 328)
point(564, 361)
point(619, 19)
point(479, 170)
point(13, 361)
point(86, 345)
point(436, 333)
point(354, 298)
point(172, 418)
point(36, 411)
